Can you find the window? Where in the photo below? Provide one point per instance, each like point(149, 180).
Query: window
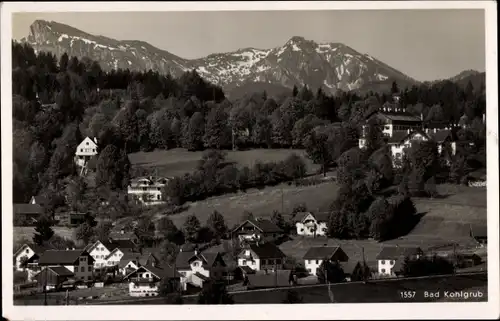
point(82, 269)
point(243, 262)
point(87, 143)
point(27, 250)
point(317, 261)
point(383, 270)
point(383, 262)
point(158, 196)
point(144, 188)
point(90, 268)
point(93, 150)
point(278, 261)
point(81, 150)
point(89, 278)
point(264, 261)
point(392, 262)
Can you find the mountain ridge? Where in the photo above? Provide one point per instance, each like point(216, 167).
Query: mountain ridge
point(330, 66)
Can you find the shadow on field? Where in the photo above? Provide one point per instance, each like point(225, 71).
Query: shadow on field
point(406, 227)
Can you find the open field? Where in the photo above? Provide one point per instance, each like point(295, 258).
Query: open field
point(179, 161)
point(261, 203)
point(26, 232)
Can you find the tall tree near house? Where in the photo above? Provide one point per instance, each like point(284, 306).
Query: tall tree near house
point(194, 137)
point(167, 229)
point(316, 145)
point(86, 231)
point(43, 230)
point(191, 228)
point(278, 220)
point(217, 224)
point(330, 272)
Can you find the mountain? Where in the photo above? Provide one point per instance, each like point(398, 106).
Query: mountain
point(299, 61)
point(465, 74)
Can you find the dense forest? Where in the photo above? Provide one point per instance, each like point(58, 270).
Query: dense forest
point(57, 102)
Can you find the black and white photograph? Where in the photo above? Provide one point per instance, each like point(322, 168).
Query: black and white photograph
point(333, 154)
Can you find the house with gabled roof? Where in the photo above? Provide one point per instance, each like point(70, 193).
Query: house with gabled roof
point(146, 280)
point(198, 267)
point(391, 258)
point(148, 190)
point(262, 256)
point(315, 256)
point(53, 277)
point(109, 251)
point(131, 261)
point(259, 229)
point(85, 151)
point(312, 224)
point(26, 214)
point(27, 256)
point(79, 262)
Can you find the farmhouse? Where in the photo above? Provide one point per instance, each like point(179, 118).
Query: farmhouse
point(27, 256)
point(109, 251)
point(312, 224)
point(148, 190)
point(79, 262)
point(145, 281)
point(259, 256)
point(26, 214)
point(85, 151)
point(195, 268)
point(257, 230)
point(53, 277)
point(131, 261)
point(121, 235)
point(390, 259)
point(317, 254)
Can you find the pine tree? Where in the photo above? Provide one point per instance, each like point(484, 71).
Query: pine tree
point(295, 91)
point(43, 231)
point(217, 224)
point(192, 228)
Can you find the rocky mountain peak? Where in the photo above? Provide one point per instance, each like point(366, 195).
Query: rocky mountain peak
point(299, 61)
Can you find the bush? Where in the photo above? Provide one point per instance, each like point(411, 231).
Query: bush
point(427, 266)
point(20, 277)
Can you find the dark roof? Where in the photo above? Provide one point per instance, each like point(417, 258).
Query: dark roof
point(394, 115)
point(349, 266)
point(182, 260)
point(479, 231)
point(321, 252)
point(38, 249)
point(269, 280)
point(61, 270)
point(320, 216)
point(123, 245)
point(116, 236)
point(201, 276)
point(395, 252)
point(265, 226)
point(246, 269)
point(40, 199)
point(441, 135)
point(64, 257)
point(161, 271)
point(27, 208)
point(267, 251)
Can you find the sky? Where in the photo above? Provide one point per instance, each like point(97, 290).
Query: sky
point(424, 44)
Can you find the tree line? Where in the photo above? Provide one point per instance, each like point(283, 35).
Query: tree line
point(57, 102)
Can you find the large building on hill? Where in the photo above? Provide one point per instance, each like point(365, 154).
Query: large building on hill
point(148, 190)
point(401, 129)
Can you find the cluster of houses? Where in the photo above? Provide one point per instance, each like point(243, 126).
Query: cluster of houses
point(259, 263)
point(402, 128)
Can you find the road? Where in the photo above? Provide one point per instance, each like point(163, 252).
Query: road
point(388, 290)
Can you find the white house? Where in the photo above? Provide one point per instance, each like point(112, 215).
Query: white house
point(317, 254)
point(146, 280)
point(312, 224)
point(26, 258)
point(390, 259)
point(195, 268)
point(148, 190)
point(78, 262)
point(258, 229)
point(259, 257)
point(109, 253)
point(131, 261)
point(85, 151)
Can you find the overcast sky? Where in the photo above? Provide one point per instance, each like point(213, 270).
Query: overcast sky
point(424, 44)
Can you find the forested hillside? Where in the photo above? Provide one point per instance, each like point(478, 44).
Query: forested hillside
point(57, 103)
